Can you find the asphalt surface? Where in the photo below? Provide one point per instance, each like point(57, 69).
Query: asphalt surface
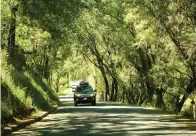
point(110, 119)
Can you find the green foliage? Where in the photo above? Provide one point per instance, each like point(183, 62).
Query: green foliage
point(145, 45)
point(48, 13)
point(187, 113)
point(23, 91)
point(140, 52)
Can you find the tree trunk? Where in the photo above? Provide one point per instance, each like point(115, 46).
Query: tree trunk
point(45, 70)
point(181, 103)
point(112, 91)
point(139, 99)
point(143, 98)
point(123, 94)
point(57, 82)
point(12, 31)
point(44, 61)
point(150, 91)
point(159, 100)
point(107, 88)
point(128, 94)
point(116, 89)
point(189, 90)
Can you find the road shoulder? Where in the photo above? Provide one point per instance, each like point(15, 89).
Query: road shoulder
point(26, 121)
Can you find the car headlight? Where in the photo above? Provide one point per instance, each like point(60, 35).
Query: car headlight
point(91, 95)
point(78, 95)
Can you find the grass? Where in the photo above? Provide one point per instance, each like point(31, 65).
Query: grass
point(184, 113)
point(23, 91)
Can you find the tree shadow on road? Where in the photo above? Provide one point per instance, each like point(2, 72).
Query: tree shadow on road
point(107, 119)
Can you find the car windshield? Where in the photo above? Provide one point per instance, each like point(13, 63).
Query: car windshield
point(87, 89)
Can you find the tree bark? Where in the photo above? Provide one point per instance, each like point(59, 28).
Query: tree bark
point(123, 94)
point(159, 100)
point(189, 90)
point(107, 88)
point(57, 82)
point(12, 31)
point(45, 70)
point(143, 98)
point(116, 89)
point(112, 91)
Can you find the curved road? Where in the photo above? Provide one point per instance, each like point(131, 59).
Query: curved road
point(109, 119)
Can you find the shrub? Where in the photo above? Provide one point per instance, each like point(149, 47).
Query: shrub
point(187, 113)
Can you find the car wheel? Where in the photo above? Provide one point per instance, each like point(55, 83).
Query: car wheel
point(93, 103)
point(76, 104)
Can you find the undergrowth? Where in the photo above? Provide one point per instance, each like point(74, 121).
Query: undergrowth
point(23, 91)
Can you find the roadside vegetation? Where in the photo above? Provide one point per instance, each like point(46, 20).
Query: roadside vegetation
point(23, 92)
point(137, 52)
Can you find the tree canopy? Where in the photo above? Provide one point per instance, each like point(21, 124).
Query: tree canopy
point(140, 52)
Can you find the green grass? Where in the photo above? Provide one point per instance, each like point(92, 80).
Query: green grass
point(22, 91)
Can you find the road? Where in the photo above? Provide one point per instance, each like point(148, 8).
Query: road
point(110, 119)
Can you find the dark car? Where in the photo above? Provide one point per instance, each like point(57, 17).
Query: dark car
point(84, 93)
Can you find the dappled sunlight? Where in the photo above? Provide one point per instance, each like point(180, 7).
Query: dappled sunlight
point(106, 119)
point(70, 52)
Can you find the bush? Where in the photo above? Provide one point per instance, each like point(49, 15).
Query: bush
point(187, 113)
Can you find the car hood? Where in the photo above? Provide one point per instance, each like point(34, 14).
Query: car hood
point(84, 92)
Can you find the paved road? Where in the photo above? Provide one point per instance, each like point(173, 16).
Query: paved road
point(108, 119)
